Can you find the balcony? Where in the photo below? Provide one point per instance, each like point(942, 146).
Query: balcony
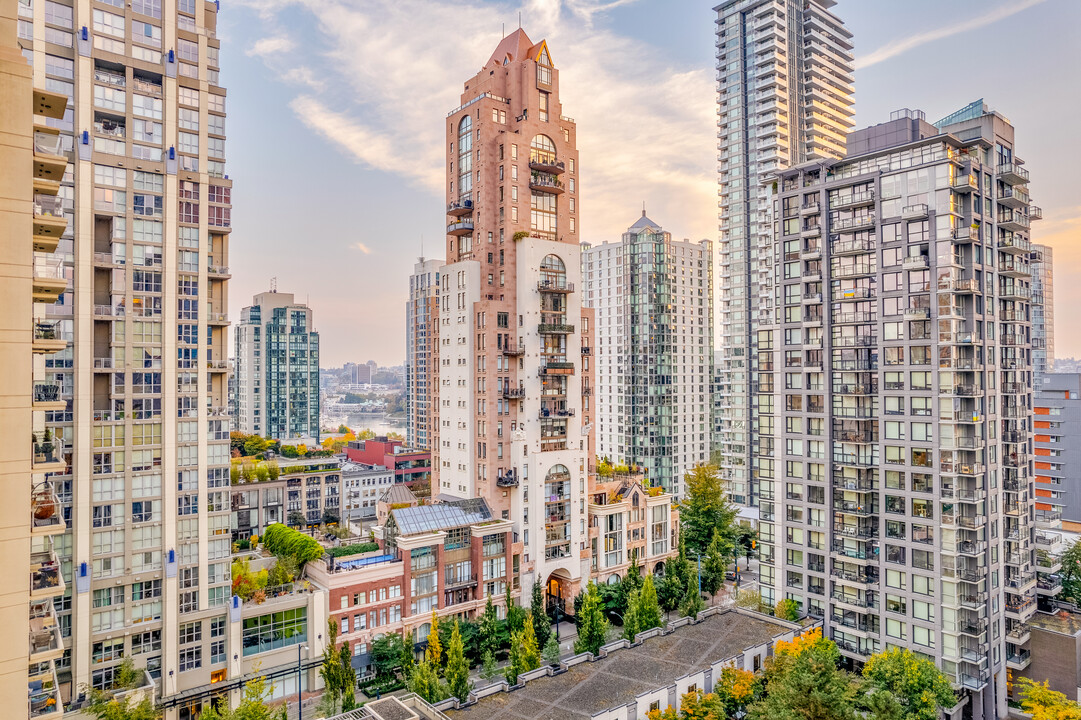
point(507, 479)
point(914, 212)
point(1012, 173)
point(1019, 659)
point(555, 413)
point(46, 642)
point(556, 367)
point(216, 318)
point(841, 202)
point(1014, 243)
point(970, 285)
point(917, 313)
point(851, 507)
point(218, 271)
point(1035, 212)
point(866, 578)
point(810, 208)
point(44, 691)
point(555, 286)
point(46, 515)
point(48, 453)
point(45, 578)
point(50, 281)
point(854, 223)
point(1050, 585)
point(965, 183)
point(1014, 266)
point(47, 338)
point(462, 226)
point(1022, 609)
point(513, 350)
point(1014, 221)
point(47, 397)
point(554, 328)
point(49, 160)
point(514, 393)
point(965, 235)
point(546, 163)
point(852, 247)
point(545, 183)
point(916, 262)
point(1014, 197)
point(49, 222)
point(460, 208)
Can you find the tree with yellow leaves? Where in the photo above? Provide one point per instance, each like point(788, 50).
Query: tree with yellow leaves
point(1043, 703)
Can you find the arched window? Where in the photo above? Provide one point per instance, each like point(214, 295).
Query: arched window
point(542, 148)
point(553, 271)
point(465, 159)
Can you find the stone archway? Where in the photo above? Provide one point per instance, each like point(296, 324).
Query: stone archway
point(556, 591)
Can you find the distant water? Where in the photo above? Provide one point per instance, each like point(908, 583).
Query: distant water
point(379, 424)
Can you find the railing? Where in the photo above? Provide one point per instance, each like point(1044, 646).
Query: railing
point(543, 181)
point(46, 392)
point(478, 98)
point(555, 286)
point(554, 328)
point(46, 331)
point(48, 206)
point(46, 143)
point(1013, 169)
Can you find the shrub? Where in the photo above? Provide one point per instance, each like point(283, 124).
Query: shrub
point(282, 541)
point(247, 584)
point(354, 549)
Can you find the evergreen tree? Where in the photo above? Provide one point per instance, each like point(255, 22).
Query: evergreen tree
point(434, 653)
point(515, 614)
point(714, 564)
point(457, 668)
point(630, 618)
point(524, 654)
point(488, 669)
point(490, 629)
point(424, 681)
point(692, 603)
point(669, 593)
point(593, 628)
point(550, 653)
point(633, 579)
point(706, 508)
point(542, 626)
point(408, 659)
point(649, 609)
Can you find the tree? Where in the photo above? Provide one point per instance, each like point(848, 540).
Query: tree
point(1043, 703)
point(736, 689)
point(705, 508)
point(457, 669)
point(338, 675)
point(803, 681)
point(691, 604)
point(387, 654)
point(787, 609)
point(524, 654)
point(633, 579)
point(425, 682)
point(550, 653)
point(515, 614)
point(907, 683)
point(630, 618)
point(1071, 571)
point(593, 628)
point(491, 629)
point(434, 652)
point(104, 705)
point(296, 518)
point(488, 669)
point(714, 564)
point(669, 593)
point(649, 609)
point(252, 705)
point(254, 445)
point(542, 626)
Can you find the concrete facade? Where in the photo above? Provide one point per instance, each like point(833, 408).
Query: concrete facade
point(420, 333)
point(277, 369)
point(1043, 312)
point(897, 495)
point(784, 86)
point(653, 301)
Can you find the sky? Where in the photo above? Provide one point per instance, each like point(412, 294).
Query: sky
point(336, 109)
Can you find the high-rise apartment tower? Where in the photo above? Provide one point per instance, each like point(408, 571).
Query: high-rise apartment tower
point(1043, 309)
point(652, 296)
point(420, 352)
point(784, 84)
point(277, 368)
point(896, 503)
point(513, 421)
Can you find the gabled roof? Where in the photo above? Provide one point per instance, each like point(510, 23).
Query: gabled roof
point(516, 46)
point(643, 223)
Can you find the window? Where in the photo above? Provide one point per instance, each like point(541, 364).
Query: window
point(191, 658)
point(275, 630)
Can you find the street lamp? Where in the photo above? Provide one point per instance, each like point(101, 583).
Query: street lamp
point(300, 681)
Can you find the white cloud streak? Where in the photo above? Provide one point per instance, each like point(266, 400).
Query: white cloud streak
point(268, 46)
point(899, 47)
point(645, 128)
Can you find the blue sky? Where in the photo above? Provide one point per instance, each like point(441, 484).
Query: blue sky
point(336, 132)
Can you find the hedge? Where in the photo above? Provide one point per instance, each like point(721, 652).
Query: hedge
point(283, 540)
point(354, 549)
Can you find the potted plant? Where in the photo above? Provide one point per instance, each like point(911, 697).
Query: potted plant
point(43, 504)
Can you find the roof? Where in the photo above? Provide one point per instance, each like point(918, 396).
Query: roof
point(515, 46)
point(591, 687)
point(644, 222)
point(398, 494)
point(441, 516)
point(1063, 622)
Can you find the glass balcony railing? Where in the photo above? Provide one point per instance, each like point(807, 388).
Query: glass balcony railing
point(46, 143)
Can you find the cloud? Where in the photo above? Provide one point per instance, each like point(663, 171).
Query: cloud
point(646, 128)
point(362, 247)
point(898, 47)
point(269, 46)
